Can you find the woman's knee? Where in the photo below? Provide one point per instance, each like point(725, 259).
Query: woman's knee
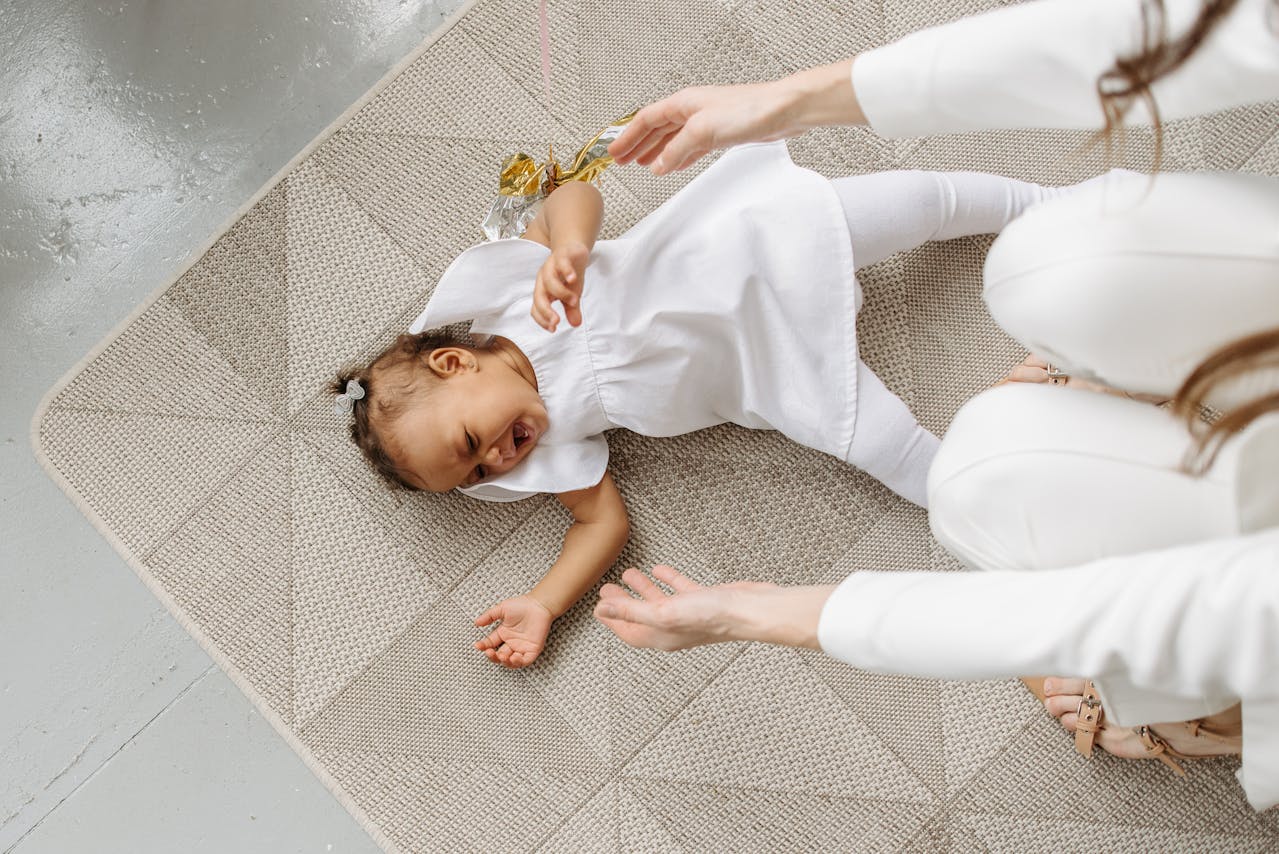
point(1036, 477)
point(1134, 282)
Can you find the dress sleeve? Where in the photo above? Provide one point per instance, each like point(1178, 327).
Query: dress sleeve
point(1037, 64)
point(552, 467)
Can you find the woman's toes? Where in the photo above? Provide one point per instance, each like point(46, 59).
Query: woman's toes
point(1068, 721)
point(1060, 704)
point(1060, 685)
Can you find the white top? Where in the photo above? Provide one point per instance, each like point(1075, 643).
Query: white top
point(735, 301)
point(1174, 634)
point(1037, 64)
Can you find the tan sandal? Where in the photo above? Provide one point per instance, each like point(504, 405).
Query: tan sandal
point(1054, 375)
point(1224, 729)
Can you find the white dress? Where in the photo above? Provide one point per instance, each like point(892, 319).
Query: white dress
point(735, 301)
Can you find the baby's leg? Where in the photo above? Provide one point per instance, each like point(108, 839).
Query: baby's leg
point(890, 212)
point(888, 442)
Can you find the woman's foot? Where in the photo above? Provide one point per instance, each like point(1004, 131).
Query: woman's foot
point(1064, 698)
point(1036, 370)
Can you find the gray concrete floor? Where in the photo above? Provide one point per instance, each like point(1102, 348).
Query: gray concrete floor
point(129, 131)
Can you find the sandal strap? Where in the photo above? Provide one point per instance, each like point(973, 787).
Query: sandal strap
point(1198, 729)
point(1157, 748)
point(1089, 718)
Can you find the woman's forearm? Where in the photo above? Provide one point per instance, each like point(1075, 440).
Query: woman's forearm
point(821, 96)
point(780, 615)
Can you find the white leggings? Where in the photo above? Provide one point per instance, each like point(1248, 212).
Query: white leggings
point(889, 212)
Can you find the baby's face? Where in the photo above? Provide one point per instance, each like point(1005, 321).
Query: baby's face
point(475, 424)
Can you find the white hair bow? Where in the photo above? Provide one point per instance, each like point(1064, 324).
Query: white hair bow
point(345, 402)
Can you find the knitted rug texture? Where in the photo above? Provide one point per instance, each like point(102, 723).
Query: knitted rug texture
point(200, 440)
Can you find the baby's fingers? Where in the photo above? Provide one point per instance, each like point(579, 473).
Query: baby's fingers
point(542, 311)
point(566, 269)
point(491, 641)
point(568, 297)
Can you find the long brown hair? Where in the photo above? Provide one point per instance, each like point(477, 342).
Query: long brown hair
point(1128, 82)
point(1224, 366)
point(1119, 89)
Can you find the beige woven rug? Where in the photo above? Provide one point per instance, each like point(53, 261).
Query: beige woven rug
point(199, 440)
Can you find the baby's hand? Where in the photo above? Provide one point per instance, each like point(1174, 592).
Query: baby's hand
point(560, 278)
point(521, 637)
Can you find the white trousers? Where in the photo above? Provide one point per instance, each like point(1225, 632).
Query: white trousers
point(1132, 283)
point(1161, 586)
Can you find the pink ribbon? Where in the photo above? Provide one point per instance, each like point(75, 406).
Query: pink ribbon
point(545, 27)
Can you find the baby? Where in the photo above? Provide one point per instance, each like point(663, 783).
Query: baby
point(735, 301)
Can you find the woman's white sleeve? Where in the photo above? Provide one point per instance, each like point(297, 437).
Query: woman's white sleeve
point(1197, 621)
point(1037, 65)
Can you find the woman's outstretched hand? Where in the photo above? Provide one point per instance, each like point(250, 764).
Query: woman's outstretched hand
point(692, 616)
point(678, 130)
point(675, 132)
point(521, 637)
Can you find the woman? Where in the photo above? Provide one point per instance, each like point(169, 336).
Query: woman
point(1161, 287)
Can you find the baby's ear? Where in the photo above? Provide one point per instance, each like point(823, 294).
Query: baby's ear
point(449, 361)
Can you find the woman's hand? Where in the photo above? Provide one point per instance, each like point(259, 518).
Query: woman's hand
point(677, 131)
point(560, 279)
point(521, 637)
point(694, 615)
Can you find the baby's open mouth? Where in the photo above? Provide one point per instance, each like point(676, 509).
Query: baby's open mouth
point(521, 434)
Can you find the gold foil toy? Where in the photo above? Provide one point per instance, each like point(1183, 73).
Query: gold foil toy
point(523, 184)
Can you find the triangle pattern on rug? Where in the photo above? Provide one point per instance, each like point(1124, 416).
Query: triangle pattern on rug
point(701, 816)
point(480, 713)
point(824, 749)
point(509, 40)
point(422, 102)
point(143, 491)
point(432, 227)
point(903, 712)
point(1038, 775)
point(347, 280)
point(1002, 832)
point(162, 366)
point(430, 804)
point(612, 820)
point(236, 298)
point(244, 606)
point(343, 619)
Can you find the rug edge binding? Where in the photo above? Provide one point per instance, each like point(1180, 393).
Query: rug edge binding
point(46, 402)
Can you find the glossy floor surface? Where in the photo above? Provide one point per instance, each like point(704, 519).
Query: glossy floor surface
point(129, 132)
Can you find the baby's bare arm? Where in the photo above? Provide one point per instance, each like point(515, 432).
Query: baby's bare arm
point(571, 215)
point(591, 545)
point(593, 542)
point(568, 224)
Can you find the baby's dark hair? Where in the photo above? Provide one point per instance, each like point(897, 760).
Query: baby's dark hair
point(394, 379)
